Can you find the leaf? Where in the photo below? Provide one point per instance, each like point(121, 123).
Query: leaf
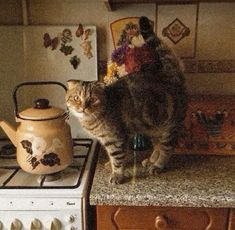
point(80, 30)
point(27, 145)
point(50, 159)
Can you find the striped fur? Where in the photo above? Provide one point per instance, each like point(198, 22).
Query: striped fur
point(166, 60)
point(137, 103)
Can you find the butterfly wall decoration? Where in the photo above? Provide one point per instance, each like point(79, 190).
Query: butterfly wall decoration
point(49, 42)
point(83, 33)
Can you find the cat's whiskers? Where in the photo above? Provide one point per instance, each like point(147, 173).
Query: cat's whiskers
point(93, 115)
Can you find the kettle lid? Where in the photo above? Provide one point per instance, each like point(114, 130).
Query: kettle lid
point(42, 111)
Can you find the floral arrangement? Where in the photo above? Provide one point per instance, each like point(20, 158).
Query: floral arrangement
point(132, 53)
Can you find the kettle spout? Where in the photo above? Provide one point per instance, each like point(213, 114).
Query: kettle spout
point(9, 130)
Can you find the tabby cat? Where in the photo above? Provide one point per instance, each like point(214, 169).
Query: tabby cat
point(137, 103)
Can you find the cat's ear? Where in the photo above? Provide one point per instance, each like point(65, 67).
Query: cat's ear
point(100, 85)
point(98, 88)
point(72, 84)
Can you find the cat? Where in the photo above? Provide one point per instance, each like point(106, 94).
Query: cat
point(136, 103)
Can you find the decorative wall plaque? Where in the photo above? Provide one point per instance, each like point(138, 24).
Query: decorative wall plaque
point(176, 31)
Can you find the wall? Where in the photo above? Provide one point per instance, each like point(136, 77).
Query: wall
point(208, 50)
point(56, 12)
point(91, 12)
point(211, 36)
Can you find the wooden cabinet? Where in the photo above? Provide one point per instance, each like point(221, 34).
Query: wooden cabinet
point(158, 218)
point(112, 4)
point(231, 222)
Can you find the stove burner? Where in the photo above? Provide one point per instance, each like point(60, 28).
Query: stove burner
point(15, 178)
point(77, 143)
point(8, 150)
point(49, 177)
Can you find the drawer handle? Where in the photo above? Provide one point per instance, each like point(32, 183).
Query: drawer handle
point(161, 223)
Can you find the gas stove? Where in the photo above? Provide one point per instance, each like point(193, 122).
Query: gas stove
point(54, 201)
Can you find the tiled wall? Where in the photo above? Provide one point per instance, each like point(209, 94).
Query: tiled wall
point(176, 25)
point(202, 34)
point(59, 12)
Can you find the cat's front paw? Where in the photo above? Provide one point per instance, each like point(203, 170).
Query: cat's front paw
point(154, 170)
point(151, 168)
point(116, 178)
point(146, 163)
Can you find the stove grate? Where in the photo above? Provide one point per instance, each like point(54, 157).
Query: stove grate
point(82, 149)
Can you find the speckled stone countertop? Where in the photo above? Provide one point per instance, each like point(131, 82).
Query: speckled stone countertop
point(189, 181)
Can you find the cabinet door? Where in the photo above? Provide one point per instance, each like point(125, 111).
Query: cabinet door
point(231, 224)
point(153, 218)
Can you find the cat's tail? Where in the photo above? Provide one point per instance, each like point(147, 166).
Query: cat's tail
point(172, 66)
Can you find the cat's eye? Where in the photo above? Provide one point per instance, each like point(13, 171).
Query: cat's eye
point(94, 100)
point(76, 98)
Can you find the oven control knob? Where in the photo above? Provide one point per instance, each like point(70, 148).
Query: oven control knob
point(70, 228)
point(36, 224)
point(70, 219)
point(55, 224)
point(16, 225)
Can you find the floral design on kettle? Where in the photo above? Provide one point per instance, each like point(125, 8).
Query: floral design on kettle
point(40, 153)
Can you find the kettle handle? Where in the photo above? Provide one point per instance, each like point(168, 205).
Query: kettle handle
point(32, 83)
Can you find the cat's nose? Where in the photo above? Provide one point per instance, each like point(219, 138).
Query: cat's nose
point(86, 104)
point(84, 108)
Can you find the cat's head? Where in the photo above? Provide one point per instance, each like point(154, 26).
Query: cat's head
point(85, 98)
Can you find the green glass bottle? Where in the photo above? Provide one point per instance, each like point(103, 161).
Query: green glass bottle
point(140, 142)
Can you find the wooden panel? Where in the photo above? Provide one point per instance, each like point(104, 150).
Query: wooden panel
point(110, 4)
point(163, 1)
point(151, 218)
point(105, 217)
point(231, 224)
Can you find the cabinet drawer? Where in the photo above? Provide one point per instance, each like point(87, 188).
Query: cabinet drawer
point(153, 218)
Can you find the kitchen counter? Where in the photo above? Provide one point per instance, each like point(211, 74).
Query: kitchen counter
point(189, 181)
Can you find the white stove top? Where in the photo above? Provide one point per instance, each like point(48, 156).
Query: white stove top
point(13, 178)
point(30, 202)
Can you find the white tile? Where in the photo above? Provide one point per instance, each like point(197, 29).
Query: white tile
point(216, 31)
point(187, 14)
